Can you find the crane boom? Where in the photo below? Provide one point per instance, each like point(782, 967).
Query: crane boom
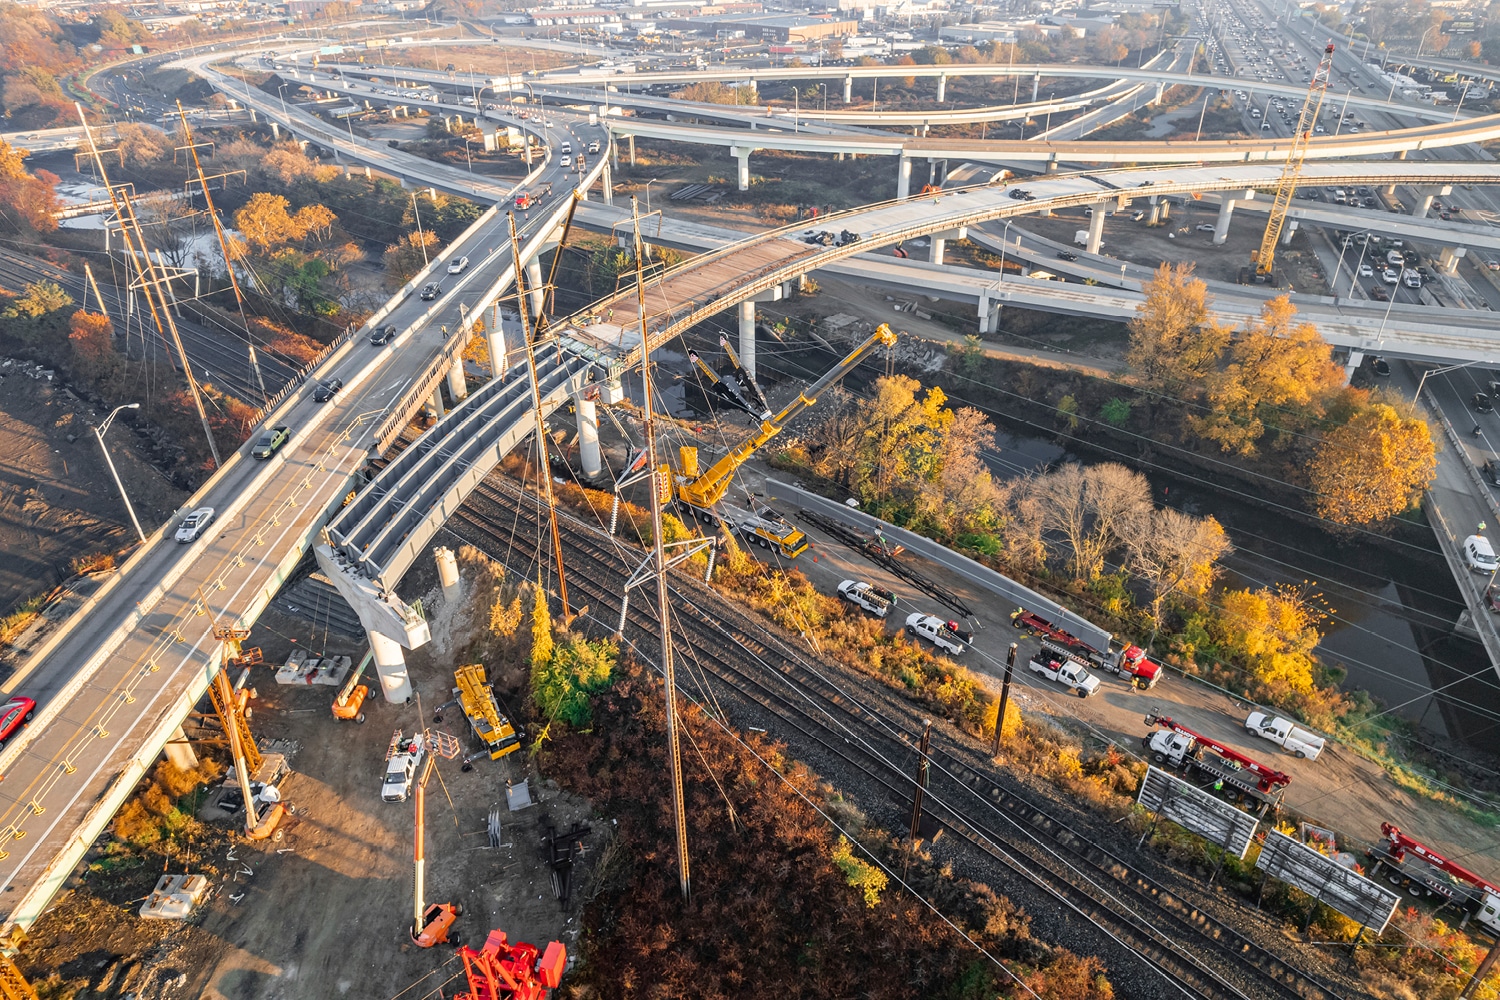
point(709, 488)
point(1401, 844)
point(1286, 187)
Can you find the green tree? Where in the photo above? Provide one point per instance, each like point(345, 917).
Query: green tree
point(575, 670)
point(1115, 412)
point(40, 313)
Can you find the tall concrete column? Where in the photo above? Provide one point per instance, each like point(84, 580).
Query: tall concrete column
point(458, 386)
point(1356, 358)
point(609, 184)
point(1448, 260)
point(742, 174)
point(1155, 216)
point(536, 292)
point(1036, 83)
point(437, 402)
point(747, 336)
point(942, 94)
point(1096, 230)
point(275, 130)
point(390, 667)
point(1289, 231)
point(614, 150)
point(989, 312)
point(495, 338)
point(848, 89)
point(632, 150)
point(940, 240)
point(588, 437)
point(1166, 209)
point(180, 752)
point(1424, 203)
point(1160, 89)
point(903, 178)
point(931, 170)
point(1221, 224)
point(447, 567)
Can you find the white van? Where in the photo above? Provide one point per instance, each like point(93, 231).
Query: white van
point(1479, 555)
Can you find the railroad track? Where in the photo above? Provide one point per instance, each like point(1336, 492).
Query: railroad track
point(222, 354)
point(1170, 936)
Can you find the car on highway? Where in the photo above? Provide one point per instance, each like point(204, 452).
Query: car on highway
point(1493, 265)
point(1382, 368)
point(1412, 279)
point(431, 290)
point(192, 526)
point(1481, 403)
point(1366, 271)
point(594, 147)
point(1479, 555)
point(270, 441)
point(1067, 255)
point(14, 714)
point(383, 335)
point(566, 160)
point(1389, 276)
point(1379, 294)
point(458, 265)
point(327, 390)
point(1491, 471)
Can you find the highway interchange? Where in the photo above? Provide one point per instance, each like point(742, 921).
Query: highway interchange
point(107, 705)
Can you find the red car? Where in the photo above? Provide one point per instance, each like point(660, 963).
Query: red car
point(13, 714)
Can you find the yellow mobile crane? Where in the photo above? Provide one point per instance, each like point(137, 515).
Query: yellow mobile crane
point(700, 492)
point(1264, 259)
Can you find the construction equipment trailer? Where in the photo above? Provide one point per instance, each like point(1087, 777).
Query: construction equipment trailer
point(1128, 661)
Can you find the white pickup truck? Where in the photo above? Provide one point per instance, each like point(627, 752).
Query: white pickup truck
point(936, 631)
point(1067, 672)
point(1288, 735)
point(876, 600)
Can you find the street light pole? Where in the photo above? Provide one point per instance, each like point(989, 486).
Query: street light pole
point(99, 433)
point(1417, 396)
point(420, 238)
point(648, 194)
point(1004, 235)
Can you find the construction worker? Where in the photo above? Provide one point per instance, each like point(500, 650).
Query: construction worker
point(445, 331)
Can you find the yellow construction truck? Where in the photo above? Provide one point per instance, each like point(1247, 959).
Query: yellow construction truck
point(474, 696)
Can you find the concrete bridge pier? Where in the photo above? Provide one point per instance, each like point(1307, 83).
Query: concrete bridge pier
point(1425, 195)
point(942, 94)
point(179, 751)
point(614, 150)
point(607, 179)
point(1356, 358)
point(1036, 83)
point(1161, 88)
point(747, 326)
point(537, 292)
point(275, 130)
point(903, 177)
point(742, 173)
point(1226, 212)
point(1289, 232)
point(848, 89)
point(390, 667)
point(989, 312)
point(632, 150)
point(437, 403)
point(447, 567)
point(1096, 230)
point(1155, 217)
point(589, 455)
point(1448, 260)
point(494, 337)
point(458, 387)
point(940, 240)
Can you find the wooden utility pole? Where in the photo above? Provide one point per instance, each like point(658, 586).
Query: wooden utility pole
point(544, 473)
point(660, 496)
point(1010, 665)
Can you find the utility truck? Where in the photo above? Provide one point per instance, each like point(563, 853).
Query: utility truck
point(1215, 765)
point(1066, 670)
point(876, 600)
point(1128, 661)
point(1422, 871)
point(938, 632)
point(1286, 734)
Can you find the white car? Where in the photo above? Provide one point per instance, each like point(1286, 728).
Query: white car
point(1205, 227)
point(1366, 271)
point(566, 160)
point(1389, 277)
point(1479, 554)
point(458, 265)
point(193, 525)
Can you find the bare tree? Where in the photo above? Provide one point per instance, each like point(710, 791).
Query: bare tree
point(1174, 553)
point(168, 224)
point(1092, 508)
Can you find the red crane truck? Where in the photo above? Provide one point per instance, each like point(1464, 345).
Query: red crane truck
point(1239, 776)
point(1421, 870)
point(1130, 662)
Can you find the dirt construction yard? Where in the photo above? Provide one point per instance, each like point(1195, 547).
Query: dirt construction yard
point(326, 911)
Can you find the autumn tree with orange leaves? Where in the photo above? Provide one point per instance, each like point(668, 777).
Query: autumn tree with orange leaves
point(1375, 466)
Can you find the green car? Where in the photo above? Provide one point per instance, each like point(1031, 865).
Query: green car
point(270, 442)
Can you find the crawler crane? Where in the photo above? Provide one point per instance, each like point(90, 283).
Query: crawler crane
point(1264, 259)
point(700, 492)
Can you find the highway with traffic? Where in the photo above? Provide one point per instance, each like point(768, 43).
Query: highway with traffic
point(110, 695)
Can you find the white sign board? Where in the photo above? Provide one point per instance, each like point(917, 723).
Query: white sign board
point(1327, 881)
point(1191, 808)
